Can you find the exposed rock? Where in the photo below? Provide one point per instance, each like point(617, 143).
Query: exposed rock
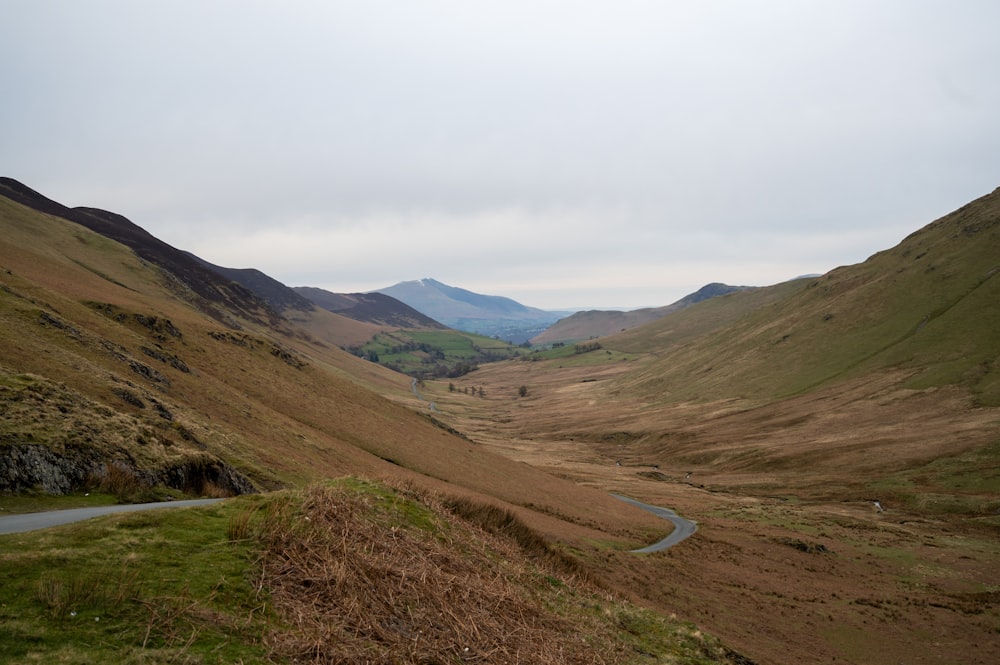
point(34, 466)
point(26, 467)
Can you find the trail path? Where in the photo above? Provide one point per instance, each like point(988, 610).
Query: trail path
point(413, 386)
point(682, 528)
point(34, 521)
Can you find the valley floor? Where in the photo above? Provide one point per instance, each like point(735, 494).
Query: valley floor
point(792, 561)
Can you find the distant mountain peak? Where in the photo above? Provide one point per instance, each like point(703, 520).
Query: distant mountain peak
point(494, 316)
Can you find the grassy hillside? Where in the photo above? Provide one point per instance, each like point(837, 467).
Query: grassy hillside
point(775, 418)
point(596, 323)
point(926, 307)
point(118, 378)
point(84, 314)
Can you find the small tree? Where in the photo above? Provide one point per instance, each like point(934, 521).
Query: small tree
point(522, 391)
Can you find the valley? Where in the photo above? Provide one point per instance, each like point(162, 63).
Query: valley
point(790, 549)
point(775, 418)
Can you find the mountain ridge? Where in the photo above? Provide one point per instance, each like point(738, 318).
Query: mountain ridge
point(373, 307)
point(599, 323)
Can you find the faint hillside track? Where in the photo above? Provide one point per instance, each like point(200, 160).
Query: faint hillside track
point(413, 387)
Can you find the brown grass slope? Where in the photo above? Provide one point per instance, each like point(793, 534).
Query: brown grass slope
point(216, 293)
point(80, 312)
point(792, 408)
point(598, 323)
point(376, 308)
point(927, 307)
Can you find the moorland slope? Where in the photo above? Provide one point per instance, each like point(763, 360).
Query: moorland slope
point(600, 323)
point(775, 418)
point(124, 373)
point(772, 416)
point(112, 361)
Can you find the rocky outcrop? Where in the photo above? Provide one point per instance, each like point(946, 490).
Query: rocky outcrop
point(36, 467)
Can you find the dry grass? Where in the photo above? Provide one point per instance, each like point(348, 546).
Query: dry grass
point(360, 585)
point(364, 573)
point(799, 471)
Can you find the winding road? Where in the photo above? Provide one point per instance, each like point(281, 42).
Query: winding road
point(33, 521)
point(682, 528)
point(20, 523)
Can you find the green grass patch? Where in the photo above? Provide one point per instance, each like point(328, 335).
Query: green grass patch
point(163, 586)
point(434, 353)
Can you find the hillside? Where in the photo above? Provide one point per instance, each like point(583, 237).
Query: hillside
point(600, 323)
point(119, 381)
point(492, 316)
point(773, 417)
point(95, 340)
point(374, 308)
point(213, 293)
point(925, 308)
point(776, 418)
point(278, 296)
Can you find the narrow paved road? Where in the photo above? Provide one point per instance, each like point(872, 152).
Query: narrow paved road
point(682, 528)
point(33, 521)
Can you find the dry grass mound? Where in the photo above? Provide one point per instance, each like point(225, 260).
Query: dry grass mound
point(358, 573)
point(364, 578)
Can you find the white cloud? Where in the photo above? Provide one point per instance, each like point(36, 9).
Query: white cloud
point(547, 148)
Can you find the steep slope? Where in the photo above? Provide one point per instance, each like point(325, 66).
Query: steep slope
point(599, 323)
point(278, 296)
point(835, 438)
point(215, 293)
point(926, 308)
point(376, 308)
point(100, 342)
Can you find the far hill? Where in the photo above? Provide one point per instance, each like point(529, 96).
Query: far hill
point(407, 341)
point(492, 316)
point(598, 323)
point(375, 308)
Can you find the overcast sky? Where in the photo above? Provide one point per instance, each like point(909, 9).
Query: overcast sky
point(564, 154)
